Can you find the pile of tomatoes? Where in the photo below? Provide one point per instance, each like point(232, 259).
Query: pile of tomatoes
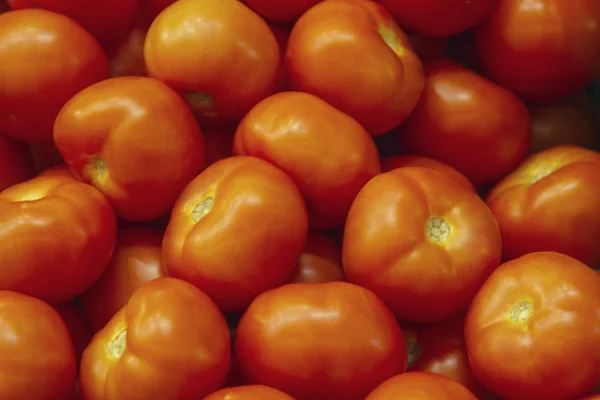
point(299, 199)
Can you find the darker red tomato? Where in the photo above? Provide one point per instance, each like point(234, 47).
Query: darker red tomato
point(421, 386)
point(79, 328)
point(126, 57)
point(16, 163)
point(429, 48)
point(320, 262)
point(250, 392)
point(277, 10)
point(45, 155)
point(218, 144)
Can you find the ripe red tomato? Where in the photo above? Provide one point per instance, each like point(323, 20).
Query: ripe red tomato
point(60, 171)
point(16, 163)
point(77, 325)
point(422, 386)
point(523, 319)
point(352, 54)
point(277, 10)
point(45, 155)
point(316, 341)
point(543, 50)
point(429, 48)
point(250, 392)
point(126, 57)
point(469, 123)
point(329, 155)
point(151, 8)
point(282, 35)
point(169, 342)
point(38, 362)
point(218, 144)
point(320, 262)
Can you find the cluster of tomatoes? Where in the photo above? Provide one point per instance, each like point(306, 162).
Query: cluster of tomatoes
point(299, 199)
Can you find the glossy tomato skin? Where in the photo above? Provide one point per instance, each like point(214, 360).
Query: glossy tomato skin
point(256, 214)
point(56, 239)
point(284, 11)
point(420, 386)
point(135, 140)
point(31, 96)
point(421, 242)
point(186, 356)
point(137, 259)
point(551, 203)
point(522, 319)
point(289, 334)
point(329, 155)
point(16, 163)
point(320, 262)
point(249, 392)
point(519, 41)
point(469, 123)
point(37, 354)
point(337, 51)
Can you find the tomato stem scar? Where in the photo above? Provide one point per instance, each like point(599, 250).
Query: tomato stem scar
point(521, 311)
point(201, 103)
point(202, 209)
point(414, 352)
point(437, 229)
point(117, 346)
point(391, 40)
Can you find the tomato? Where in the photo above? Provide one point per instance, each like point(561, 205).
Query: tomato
point(137, 259)
point(420, 386)
point(526, 314)
point(151, 8)
point(250, 392)
point(16, 163)
point(543, 50)
point(38, 362)
point(316, 341)
point(45, 155)
point(352, 54)
point(127, 56)
point(60, 171)
point(135, 140)
point(169, 342)
point(257, 216)
point(282, 35)
point(77, 325)
point(469, 123)
point(551, 203)
point(423, 243)
point(219, 53)
point(320, 262)
point(31, 96)
point(327, 153)
point(592, 397)
point(218, 144)
point(429, 48)
point(277, 10)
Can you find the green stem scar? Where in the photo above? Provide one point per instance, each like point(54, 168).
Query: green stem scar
point(521, 311)
point(414, 352)
point(202, 209)
point(201, 103)
point(117, 346)
point(437, 229)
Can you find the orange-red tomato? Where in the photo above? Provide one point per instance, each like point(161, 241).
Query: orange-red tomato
point(257, 216)
point(352, 54)
point(420, 386)
point(77, 325)
point(285, 11)
point(221, 54)
point(169, 342)
point(318, 341)
point(127, 56)
point(135, 140)
point(16, 163)
point(421, 242)
point(38, 362)
point(218, 144)
point(328, 154)
point(523, 319)
point(45, 155)
point(137, 259)
point(551, 203)
point(543, 50)
point(320, 262)
point(469, 123)
point(592, 397)
point(47, 59)
point(60, 171)
point(151, 8)
point(250, 392)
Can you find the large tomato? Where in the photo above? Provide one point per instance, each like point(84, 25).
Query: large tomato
point(169, 342)
point(421, 386)
point(249, 392)
point(277, 10)
point(38, 362)
point(423, 243)
point(533, 320)
point(320, 262)
point(542, 50)
point(135, 140)
point(469, 123)
point(551, 203)
point(352, 54)
point(47, 58)
point(318, 341)
point(329, 155)
point(16, 163)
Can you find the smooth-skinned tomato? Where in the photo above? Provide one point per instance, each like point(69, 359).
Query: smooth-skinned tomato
point(284, 11)
point(249, 392)
point(135, 140)
point(533, 320)
point(317, 341)
point(329, 155)
point(320, 262)
point(169, 342)
point(337, 51)
point(420, 386)
point(60, 171)
point(16, 163)
point(423, 243)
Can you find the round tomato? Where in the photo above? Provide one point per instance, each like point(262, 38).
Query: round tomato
point(127, 56)
point(250, 392)
point(329, 155)
point(52, 58)
point(458, 122)
point(169, 342)
point(38, 362)
point(423, 243)
point(533, 320)
point(60, 171)
point(277, 10)
point(135, 140)
point(151, 8)
point(320, 262)
point(16, 163)
point(337, 51)
point(420, 386)
point(218, 144)
point(77, 325)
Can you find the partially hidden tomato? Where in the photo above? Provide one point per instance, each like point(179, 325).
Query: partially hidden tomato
point(428, 48)
point(337, 51)
point(79, 329)
point(126, 57)
point(285, 11)
point(329, 155)
point(320, 261)
point(281, 33)
point(218, 144)
point(60, 171)
point(249, 392)
point(151, 8)
point(45, 155)
point(523, 319)
point(169, 342)
point(16, 163)
point(38, 362)
point(420, 386)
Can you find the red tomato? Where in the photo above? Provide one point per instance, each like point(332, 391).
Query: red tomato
point(429, 48)
point(56, 237)
point(551, 203)
point(169, 342)
point(318, 341)
point(16, 163)
point(523, 319)
point(60, 171)
point(329, 155)
point(352, 54)
point(282, 35)
point(277, 10)
point(127, 56)
point(320, 262)
point(251, 392)
point(151, 8)
point(469, 123)
point(420, 386)
point(78, 327)
point(592, 397)
point(218, 144)
point(421, 242)
point(542, 50)
point(38, 362)
point(45, 155)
